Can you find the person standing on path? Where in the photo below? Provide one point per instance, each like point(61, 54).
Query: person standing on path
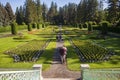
point(63, 53)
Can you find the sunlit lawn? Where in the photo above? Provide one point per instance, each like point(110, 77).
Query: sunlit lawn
point(110, 43)
point(73, 62)
point(6, 43)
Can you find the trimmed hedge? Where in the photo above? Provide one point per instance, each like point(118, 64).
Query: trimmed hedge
point(38, 26)
point(114, 29)
point(13, 28)
point(33, 25)
point(80, 26)
point(104, 28)
point(85, 25)
point(90, 26)
point(29, 27)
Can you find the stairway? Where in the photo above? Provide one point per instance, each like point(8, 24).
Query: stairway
point(59, 79)
point(59, 71)
point(56, 58)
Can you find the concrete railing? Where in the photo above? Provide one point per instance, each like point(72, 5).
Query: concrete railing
point(34, 74)
point(99, 74)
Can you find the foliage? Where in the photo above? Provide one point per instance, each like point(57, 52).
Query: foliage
point(72, 57)
point(113, 10)
point(91, 52)
point(29, 27)
point(43, 25)
point(85, 25)
point(34, 25)
point(90, 26)
point(14, 28)
point(52, 13)
point(80, 26)
point(104, 27)
point(8, 28)
point(28, 51)
point(20, 15)
point(38, 26)
point(86, 10)
point(44, 12)
point(6, 14)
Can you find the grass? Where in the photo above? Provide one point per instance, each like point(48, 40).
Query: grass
point(110, 43)
point(46, 57)
point(73, 62)
point(6, 61)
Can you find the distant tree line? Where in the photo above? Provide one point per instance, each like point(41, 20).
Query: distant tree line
point(33, 12)
point(6, 14)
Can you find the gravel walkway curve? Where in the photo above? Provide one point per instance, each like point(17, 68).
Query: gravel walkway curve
point(58, 70)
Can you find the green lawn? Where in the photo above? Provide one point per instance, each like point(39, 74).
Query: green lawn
point(110, 43)
point(8, 43)
point(72, 59)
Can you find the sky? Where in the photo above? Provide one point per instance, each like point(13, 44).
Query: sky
point(60, 3)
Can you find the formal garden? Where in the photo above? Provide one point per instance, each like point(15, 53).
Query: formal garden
point(28, 36)
point(37, 46)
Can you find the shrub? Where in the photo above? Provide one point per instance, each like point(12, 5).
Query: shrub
point(90, 26)
point(96, 27)
point(104, 27)
point(47, 23)
point(29, 27)
point(94, 23)
point(33, 25)
point(38, 26)
point(13, 28)
point(80, 26)
point(85, 25)
point(43, 25)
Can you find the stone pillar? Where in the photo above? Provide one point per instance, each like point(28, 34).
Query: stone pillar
point(83, 67)
point(38, 67)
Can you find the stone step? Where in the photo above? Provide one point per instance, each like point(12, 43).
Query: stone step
point(59, 79)
point(56, 62)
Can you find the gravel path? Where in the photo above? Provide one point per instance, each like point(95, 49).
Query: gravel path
point(58, 70)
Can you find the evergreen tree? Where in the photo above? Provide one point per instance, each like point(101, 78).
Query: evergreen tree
point(39, 11)
point(72, 7)
point(10, 12)
point(19, 15)
point(44, 12)
point(4, 17)
point(113, 10)
point(65, 14)
point(52, 13)
point(28, 13)
point(61, 14)
point(87, 10)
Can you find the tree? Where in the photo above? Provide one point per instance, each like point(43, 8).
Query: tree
point(52, 13)
point(61, 14)
point(87, 10)
point(10, 12)
point(28, 13)
point(13, 28)
point(4, 17)
point(39, 11)
point(72, 9)
point(44, 12)
point(19, 15)
point(113, 10)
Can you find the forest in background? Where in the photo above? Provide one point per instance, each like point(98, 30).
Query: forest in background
point(33, 12)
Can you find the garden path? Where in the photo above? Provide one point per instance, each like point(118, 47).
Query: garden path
point(58, 70)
